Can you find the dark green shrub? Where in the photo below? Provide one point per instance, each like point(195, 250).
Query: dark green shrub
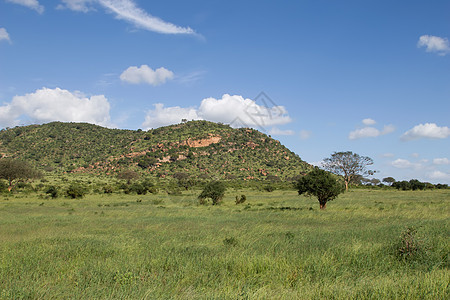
point(138, 188)
point(402, 185)
point(3, 186)
point(52, 191)
point(321, 184)
point(214, 190)
point(23, 185)
point(416, 185)
point(230, 242)
point(107, 189)
point(75, 191)
point(269, 188)
point(241, 199)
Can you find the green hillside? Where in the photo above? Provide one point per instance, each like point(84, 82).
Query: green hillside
point(199, 148)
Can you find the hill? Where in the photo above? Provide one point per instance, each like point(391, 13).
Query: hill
point(200, 148)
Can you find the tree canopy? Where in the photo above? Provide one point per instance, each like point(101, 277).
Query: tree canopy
point(214, 190)
point(321, 184)
point(13, 170)
point(349, 165)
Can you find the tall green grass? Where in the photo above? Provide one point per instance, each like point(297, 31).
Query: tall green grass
point(274, 246)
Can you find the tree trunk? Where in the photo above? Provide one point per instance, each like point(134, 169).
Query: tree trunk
point(346, 185)
point(323, 205)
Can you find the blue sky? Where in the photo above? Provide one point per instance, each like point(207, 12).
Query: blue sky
point(372, 77)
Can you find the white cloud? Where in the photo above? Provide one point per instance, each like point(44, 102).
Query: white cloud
point(434, 44)
point(4, 34)
point(305, 134)
point(162, 116)
point(32, 4)
point(233, 110)
point(145, 74)
point(369, 122)
point(428, 130)
point(363, 133)
point(439, 176)
point(46, 105)
point(404, 164)
point(277, 131)
point(77, 5)
point(441, 161)
point(370, 132)
point(240, 112)
point(127, 10)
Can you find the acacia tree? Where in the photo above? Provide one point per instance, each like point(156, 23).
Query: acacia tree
point(349, 165)
point(13, 170)
point(321, 184)
point(389, 180)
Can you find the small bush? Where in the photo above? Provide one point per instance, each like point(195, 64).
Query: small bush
point(107, 189)
point(241, 199)
point(75, 191)
point(230, 242)
point(269, 188)
point(414, 249)
point(52, 191)
point(138, 188)
point(3, 186)
point(214, 190)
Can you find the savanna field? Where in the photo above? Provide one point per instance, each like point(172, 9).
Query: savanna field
point(367, 244)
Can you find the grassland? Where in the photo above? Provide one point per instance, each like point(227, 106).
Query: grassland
point(275, 246)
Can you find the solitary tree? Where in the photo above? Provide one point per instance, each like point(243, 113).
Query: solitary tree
point(349, 165)
point(14, 170)
point(321, 184)
point(214, 190)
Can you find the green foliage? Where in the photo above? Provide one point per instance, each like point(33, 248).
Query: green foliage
point(232, 154)
point(269, 188)
point(241, 199)
point(128, 175)
point(415, 185)
point(214, 190)
point(108, 189)
point(76, 191)
point(321, 184)
point(389, 180)
point(3, 186)
point(140, 188)
point(52, 191)
point(12, 170)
